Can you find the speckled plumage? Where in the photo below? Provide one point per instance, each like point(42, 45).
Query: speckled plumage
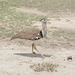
point(31, 34)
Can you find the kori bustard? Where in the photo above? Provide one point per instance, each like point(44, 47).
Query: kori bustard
point(34, 34)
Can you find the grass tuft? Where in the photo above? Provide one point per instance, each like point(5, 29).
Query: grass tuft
point(44, 67)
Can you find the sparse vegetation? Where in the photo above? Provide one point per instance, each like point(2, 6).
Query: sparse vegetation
point(12, 21)
point(58, 19)
point(45, 5)
point(15, 55)
point(53, 27)
point(44, 67)
point(67, 20)
point(68, 35)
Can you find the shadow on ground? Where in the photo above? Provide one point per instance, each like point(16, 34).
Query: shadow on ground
point(30, 55)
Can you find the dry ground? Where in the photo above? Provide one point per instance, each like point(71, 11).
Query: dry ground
point(16, 57)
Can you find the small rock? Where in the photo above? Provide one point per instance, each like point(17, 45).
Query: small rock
point(69, 58)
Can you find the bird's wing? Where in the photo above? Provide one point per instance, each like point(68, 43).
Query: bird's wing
point(32, 34)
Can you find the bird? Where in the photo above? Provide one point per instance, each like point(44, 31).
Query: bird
point(33, 34)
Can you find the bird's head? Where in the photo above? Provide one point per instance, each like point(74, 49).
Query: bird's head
point(44, 20)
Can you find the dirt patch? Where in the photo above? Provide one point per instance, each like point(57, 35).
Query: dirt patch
point(16, 59)
point(44, 67)
point(31, 10)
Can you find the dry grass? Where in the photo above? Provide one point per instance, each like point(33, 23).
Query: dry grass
point(12, 22)
point(44, 67)
point(45, 5)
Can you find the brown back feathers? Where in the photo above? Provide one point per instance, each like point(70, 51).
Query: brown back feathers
point(33, 34)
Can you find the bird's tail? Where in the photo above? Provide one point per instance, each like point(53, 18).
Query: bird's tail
point(14, 37)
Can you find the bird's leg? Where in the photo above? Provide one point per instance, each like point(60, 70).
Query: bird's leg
point(32, 49)
point(34, 45)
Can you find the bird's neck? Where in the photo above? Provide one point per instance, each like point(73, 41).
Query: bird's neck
point(44, 29)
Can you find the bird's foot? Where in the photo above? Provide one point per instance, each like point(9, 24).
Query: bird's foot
point(34, 53)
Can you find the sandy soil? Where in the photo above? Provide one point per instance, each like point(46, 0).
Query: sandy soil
point(15, 58)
